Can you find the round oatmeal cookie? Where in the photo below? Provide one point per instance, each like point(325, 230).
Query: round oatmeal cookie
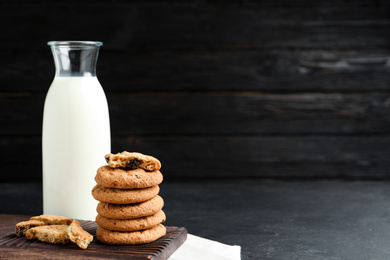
point(124, 196)
point(127, 179)
point(131, 224)
point(130, 211)
point(130, 238)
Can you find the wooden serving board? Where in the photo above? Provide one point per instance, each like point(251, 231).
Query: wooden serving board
point(13, 247)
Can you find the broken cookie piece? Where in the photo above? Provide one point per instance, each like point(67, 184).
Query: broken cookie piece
point(22, 227)
point(53, 219)
point(54, 229)
point(78, 235)
point(132, 161)
point(55, 234)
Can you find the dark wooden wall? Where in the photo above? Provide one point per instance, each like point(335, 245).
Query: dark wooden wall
point(214, 89)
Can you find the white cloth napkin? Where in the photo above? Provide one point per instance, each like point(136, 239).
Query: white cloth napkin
point(195, 248)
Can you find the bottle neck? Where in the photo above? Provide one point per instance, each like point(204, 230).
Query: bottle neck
point(75, 59)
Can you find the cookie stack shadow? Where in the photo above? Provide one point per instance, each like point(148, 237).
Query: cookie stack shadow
point(129, 208)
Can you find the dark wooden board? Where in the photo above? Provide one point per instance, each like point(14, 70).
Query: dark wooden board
point(12, 247)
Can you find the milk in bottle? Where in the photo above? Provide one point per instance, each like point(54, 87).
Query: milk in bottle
point(76, 131)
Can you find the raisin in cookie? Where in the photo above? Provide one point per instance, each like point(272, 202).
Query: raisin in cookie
point(130, 238)
point(127, 179)
point(132, 161)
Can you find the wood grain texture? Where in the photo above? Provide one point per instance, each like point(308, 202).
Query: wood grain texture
point(228, 113)
point(279, 89)
point(12, 247)
point(200, 25)
point(274, 70)
point(237, 157)
point(263, 157)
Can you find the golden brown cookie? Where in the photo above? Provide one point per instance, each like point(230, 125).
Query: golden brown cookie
point(56, 234)
point(131, 224)
point(127, 179)
point(129, 211)
point(130, 238)
point(78, 235)
point(132, 161)
point(124, 196)
point(22, 227)
point(53, 220)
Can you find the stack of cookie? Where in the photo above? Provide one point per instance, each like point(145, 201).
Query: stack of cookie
point(129, 209)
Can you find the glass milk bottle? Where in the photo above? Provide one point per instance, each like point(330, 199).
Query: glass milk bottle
point(76, 131)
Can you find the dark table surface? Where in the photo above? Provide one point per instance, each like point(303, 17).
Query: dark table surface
point(272, 220)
